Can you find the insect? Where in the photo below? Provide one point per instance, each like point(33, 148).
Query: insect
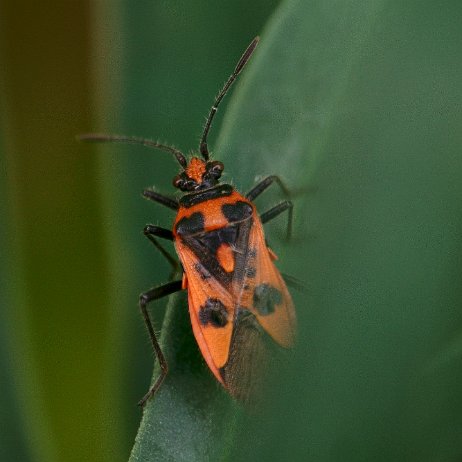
point(236, 295)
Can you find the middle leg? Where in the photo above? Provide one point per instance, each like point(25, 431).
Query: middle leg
point(151, 232)
point(277, 210)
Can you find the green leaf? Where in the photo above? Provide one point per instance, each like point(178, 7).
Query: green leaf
point(356, 106)
point(190, 418)
point(359, 104)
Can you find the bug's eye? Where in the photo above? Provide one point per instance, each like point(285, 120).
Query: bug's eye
point(184, 183)
point(216, 168)
point(178, 182)
point(189, 185)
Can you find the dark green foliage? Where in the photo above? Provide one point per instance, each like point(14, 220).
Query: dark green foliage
point(356, 104)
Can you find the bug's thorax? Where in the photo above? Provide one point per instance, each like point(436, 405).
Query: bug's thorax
point(210, 209)
point(207, 205)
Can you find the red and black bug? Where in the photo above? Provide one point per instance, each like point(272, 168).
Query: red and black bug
point(236, 295)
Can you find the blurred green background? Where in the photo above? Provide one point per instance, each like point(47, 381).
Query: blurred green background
point(357, 103)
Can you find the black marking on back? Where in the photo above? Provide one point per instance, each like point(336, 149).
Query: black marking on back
point(190, 225)
point(265, 297)
point(237, 212)
point(213, 312)
point(204, 246)
point(221, 190)
point(214, 239)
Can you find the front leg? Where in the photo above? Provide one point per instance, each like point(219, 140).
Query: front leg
point(265, 183)
point(161, 199)
point(277, 210)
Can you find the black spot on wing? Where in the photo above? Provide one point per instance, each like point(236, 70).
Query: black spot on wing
point(191, 225)
point(213, 312)
point(265, 297)
point(237, 212)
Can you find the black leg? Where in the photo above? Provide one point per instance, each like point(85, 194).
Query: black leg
point(265, 183)
point(145, 299)
point(277, 210)
point(151, 232)
point(161, 199)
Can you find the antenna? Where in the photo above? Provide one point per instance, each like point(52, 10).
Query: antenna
point(100, 138)
point(240, 65)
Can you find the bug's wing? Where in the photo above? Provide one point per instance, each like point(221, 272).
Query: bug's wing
point(250, 353)
point(263, 311)
point(211, 308)
point(235, 295)
point(268, 298)
point(263, 305)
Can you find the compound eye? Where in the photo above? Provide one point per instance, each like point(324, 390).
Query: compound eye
point(189, 185)
point(178, 182)
point(216, 168)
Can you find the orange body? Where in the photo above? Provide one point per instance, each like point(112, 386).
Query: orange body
point(229, 270)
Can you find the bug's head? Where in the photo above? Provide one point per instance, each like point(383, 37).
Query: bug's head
point(199, 174)
point(204, 173)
